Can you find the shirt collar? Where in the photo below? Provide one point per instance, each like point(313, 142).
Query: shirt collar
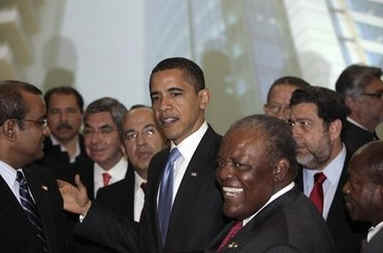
point(271, 199)
point(116, 170)
point(190, 143)
point(374, 230)
point(8, 173)
point(55, 142)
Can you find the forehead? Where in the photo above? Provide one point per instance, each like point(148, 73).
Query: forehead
point(304, 111)
point(35, 104)
point(170, 78)
point(375, 85)
point(62, 100)
point(243, 142)
point(282, 93)
point(99, 119)
point(138, 118)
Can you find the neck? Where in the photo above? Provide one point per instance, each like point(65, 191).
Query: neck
point(108, 165)
point(142, 172)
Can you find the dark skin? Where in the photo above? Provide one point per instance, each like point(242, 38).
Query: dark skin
point(364, 188)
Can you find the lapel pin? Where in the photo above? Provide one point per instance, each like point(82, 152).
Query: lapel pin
point(44, 187)
point(232, 245)
point(194, 174)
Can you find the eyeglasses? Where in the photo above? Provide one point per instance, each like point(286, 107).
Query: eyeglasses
point(40, 122)
point(375, 95)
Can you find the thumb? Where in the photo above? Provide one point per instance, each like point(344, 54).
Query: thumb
point(78, 182)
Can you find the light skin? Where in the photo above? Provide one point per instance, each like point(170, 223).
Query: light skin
point(21, 146)
point(64, 119)
point(317, 144)
point(142, 139)
point(278, 104)
point(245, 174)
point(363, 193)
point(179, 109)
point(102, 140)
point(367, 110)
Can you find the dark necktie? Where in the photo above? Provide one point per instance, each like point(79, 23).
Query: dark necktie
point(166, 193)
point(30, 209)
point(233, 231)
point(106, 178)
point(316, 194)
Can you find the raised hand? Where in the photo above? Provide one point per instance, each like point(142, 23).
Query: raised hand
point(75, 197)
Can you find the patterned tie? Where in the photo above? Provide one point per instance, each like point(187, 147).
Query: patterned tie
point(165, 201)
point(30, 209)
point(233, 231)
point(106, 178)
point(316, 194)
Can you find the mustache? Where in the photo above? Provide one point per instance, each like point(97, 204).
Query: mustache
point(64, 126)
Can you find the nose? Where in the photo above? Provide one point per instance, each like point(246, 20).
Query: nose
point(224, 171)
point(63, 116)
point(164, 103)
point(140, 139)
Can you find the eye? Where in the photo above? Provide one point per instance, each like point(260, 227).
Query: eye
point(54, 111)
point(154, 97)
point(87, 131)
point(130, 136)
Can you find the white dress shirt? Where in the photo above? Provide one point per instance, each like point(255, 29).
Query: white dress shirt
point(139, 196)
point(72, 159)
point(374, 230)
point(118, 173)
point(332, 171)
point(187, 148)
point(271, 199)
point(9, 175)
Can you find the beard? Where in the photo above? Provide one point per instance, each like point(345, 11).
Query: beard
point(315, 157)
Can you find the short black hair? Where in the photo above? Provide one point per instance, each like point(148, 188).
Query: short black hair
point(280, 143)
point(330, 104)
point(139, 106)
point(354, 79)
point(288, 80)
point(12, 104)
point(65, 90)
point(192, 72)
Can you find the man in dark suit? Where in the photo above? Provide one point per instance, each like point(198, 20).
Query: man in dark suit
point(364, 192)
point(278, 97)
point(142, 140)
point(181, 183)
point(31, 214)
point(362, 89)
point(317, 116)
point(103, 119)
point(256, 171)
point(64, 150)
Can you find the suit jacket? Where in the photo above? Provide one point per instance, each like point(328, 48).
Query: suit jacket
point(58, 161)
point(347, 234)
point(375, 245)
point(119, 197)
point(196, 214)
point(16, 233)
point(354, 137)
point(288, 224)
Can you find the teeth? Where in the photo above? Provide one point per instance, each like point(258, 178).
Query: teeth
point(168, 120)
point(232, 189)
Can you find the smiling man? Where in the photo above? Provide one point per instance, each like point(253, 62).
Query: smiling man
point(364, 192)
point(103, 119)
point(256, 170)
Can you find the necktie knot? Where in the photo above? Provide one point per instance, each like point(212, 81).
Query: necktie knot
point(20, 178)
point(174, 155)
point(106, 178)
point(319, 178)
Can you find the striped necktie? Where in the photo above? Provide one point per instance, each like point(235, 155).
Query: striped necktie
point(30, 209)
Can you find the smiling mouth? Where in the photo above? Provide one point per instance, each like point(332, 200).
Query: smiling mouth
point(165, 121)
point(230, 192)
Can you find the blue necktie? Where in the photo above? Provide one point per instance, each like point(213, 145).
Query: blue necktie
point(30, 209)
point(166, 193)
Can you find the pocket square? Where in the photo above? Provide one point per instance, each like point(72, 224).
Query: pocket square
point(193, 174)
point(44, 187)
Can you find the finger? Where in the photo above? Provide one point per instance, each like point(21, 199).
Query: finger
point(77, 181)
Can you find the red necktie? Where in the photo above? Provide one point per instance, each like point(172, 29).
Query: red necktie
point(316, 194)
point(233, 231)
point(106, 178)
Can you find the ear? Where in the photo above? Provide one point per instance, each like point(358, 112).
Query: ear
point(335, 129)
point(204, 96)
point(352, 103)
point(281, 170)
point(10, 129)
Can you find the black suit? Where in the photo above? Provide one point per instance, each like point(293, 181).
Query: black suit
point(16, 233)
point(288, 224)
point(119, 197)
point(375, 245)
point(58, 161)
point(347, 234)
point(196, 215)
point(354, 137)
